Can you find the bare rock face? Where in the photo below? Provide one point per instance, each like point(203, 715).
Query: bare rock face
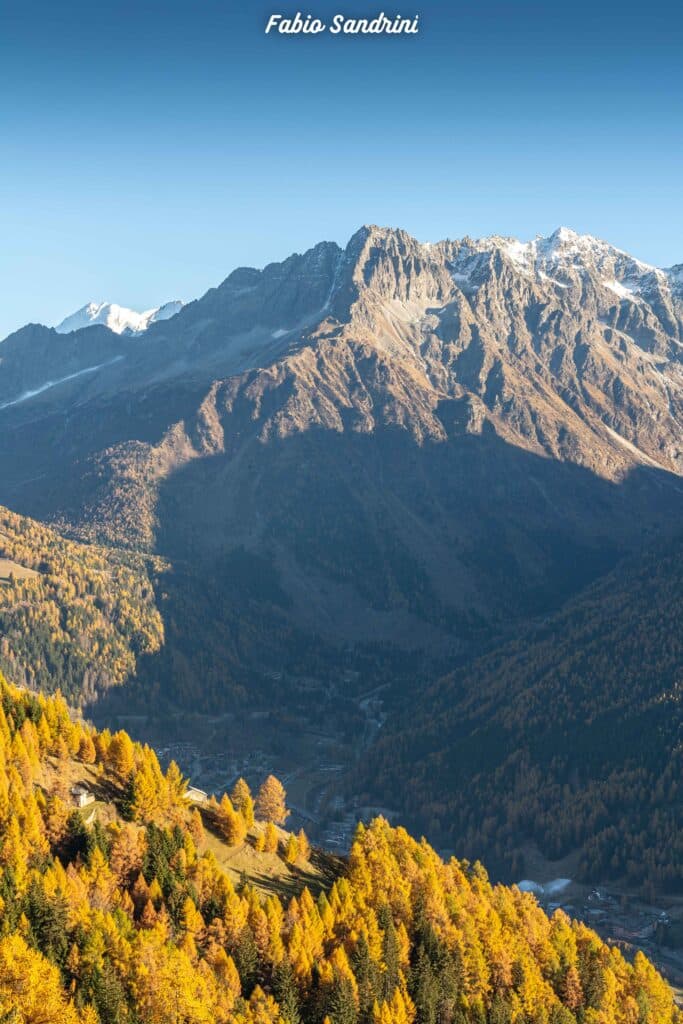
point(565, 346)
point(573, 348)
point(413, 435)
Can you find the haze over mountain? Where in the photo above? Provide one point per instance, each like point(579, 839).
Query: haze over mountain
point(388, 457)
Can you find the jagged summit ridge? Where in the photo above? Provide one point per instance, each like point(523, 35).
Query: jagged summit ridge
point(563, 345)
point(560, 260)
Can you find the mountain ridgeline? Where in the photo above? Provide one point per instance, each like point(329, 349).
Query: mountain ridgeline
point(554, 368)
point(376, 466)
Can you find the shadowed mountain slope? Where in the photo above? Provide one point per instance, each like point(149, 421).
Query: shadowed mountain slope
point(569, 736)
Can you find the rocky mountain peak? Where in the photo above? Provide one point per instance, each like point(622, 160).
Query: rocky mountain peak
point(388, 265)
point(564, 234)
point(563, 344)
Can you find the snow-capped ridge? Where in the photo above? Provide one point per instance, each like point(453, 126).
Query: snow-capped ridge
point(565, 234)
point(564, 258)
point(118, 319)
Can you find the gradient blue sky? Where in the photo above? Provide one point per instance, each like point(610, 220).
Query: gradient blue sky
point(148, 148)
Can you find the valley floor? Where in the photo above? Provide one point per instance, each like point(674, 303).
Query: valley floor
point(312, 761)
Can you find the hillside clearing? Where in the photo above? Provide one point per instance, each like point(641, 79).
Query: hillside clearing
point(9, 569)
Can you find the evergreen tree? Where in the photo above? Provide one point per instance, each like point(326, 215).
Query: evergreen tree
point(129, 798)
point(75, 841)
point(390, 952)
point(367, 978)
point(286, 992)
point(47, 919)
point(424, 988)
point(246, 959)
point(341, 1004)
point(108, 995)
point(501, 1011)
point(97, 839)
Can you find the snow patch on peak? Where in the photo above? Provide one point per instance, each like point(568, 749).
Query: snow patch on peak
point(623, 289)
point(166, 311)
point(118, 319)
point(552, 280)
point(557, 258)
point(523, 254)
point(564, 243)
point(563, 234)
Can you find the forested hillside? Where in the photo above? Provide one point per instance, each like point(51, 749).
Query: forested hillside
point(569, 736)
point(72, 616)
point(121, 913)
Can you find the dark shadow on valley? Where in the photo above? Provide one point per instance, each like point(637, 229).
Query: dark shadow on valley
point(466, 538)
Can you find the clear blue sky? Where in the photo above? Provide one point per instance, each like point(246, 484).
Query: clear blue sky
point(147, 148)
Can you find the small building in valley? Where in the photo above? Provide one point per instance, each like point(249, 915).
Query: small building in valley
point(197, 796)
point(82, 795)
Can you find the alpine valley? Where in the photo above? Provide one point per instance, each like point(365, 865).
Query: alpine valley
point(400, 521)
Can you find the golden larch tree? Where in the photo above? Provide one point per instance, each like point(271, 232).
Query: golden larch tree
point(271, 801)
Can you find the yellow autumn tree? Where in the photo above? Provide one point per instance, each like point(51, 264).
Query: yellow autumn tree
point(271, 801)
point(271, 839)
point(243, 801)
point(231, 823)
point(292, 850)
point(121, 755)
point(86, 749)
point(30, 986)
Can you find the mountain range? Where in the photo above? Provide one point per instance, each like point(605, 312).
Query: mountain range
point(393, 457)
